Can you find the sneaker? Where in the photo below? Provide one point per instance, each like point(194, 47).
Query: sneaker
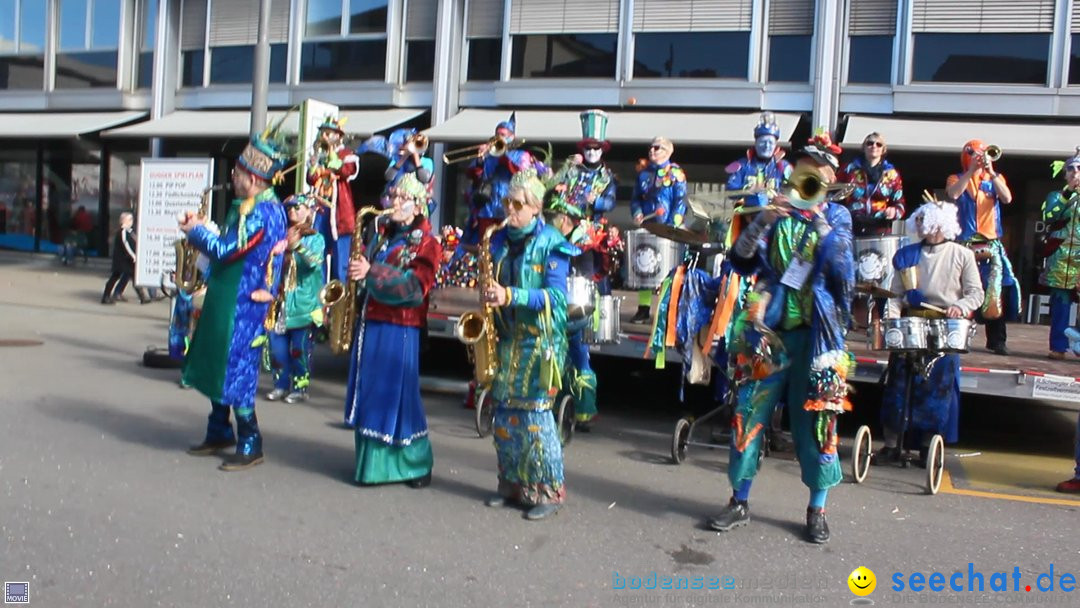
point(420, 482)
point(542, 511)
point(1069, 486)
point(885, 455)
point(817, 529)
point(276, 395)
point(495, 502)
point(735, 515)
point(642, 316)
point(296, 397)
point(240, 462)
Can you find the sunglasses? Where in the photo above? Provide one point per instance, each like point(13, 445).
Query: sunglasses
point(513, 204)
point(593, 148)
point(656, 147)
point(1073, 168)
point(874, 144)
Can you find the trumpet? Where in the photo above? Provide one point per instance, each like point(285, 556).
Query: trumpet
point(416, 143)
point(495, 146)
point(992, 152)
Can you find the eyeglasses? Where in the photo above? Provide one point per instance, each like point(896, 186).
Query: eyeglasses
point(969, 151)
point(874, 144)
point(513, 204)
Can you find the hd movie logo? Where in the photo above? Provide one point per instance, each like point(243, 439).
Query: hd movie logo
point(16, 593)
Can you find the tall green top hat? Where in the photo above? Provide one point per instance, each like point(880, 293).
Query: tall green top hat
point(594, 130)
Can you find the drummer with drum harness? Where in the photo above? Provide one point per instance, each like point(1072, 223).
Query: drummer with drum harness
point(659, 196)
point(936, 278)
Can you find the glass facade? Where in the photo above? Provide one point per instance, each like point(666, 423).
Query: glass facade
point(191, 68)
point(692, 55)
point(336, 60)
point(564, 56)
point(235, 64)
point(485, 59)
point(789, 58)
point(89, 39)
point(420, 61)
point(870, 59)
point(984, 58)
point(18, 205)
point(144, 66)
point(22, 44)
point(1074, 60)
point(367, 16)
point(92, 69)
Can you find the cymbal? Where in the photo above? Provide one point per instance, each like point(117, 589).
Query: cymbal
point(873, 290)
point(679, 235)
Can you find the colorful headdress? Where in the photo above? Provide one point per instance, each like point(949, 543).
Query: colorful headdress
point(334, 123)
point(821, 148)
point(300, 200)
point(413, 188)
point(594, 130)
point(555, 203)
point(510, 123)
point(767, 126)
point(528, 180)
point(267, 153)
point(1058, 165)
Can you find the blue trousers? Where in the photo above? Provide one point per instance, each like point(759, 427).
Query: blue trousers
point(340, 268)
point(1060, 304)
point(290, 357)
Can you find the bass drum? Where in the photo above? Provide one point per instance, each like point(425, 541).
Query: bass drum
point(649, 259)
point(873, 260)
point(606, 331)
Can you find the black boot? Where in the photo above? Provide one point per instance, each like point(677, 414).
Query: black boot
point(248, 447)
point(420, 482)
point(219, 432)
point(817, 529)
point(642, 315)
point(735, 515)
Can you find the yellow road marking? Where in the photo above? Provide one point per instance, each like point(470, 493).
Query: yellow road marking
point(948, 488)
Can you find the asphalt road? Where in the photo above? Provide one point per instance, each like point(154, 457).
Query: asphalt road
point(101, 507)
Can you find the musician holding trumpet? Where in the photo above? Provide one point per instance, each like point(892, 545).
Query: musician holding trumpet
point(332, 168)
point(979, 191)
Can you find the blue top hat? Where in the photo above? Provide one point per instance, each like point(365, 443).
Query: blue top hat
point(767, 126)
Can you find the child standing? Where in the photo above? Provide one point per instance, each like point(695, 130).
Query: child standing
point(302, 279)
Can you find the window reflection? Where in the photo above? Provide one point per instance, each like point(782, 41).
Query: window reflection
point(191, 69)
point(343, 60)
point(691, 55)
point(564, 56)
point(7, 26)
point(32, 26)
point(22, 72)
point(1074, 60)
point(1005, 58)
point(870, 59)
point(72, 24)
point(94, 69)
point(323, 18)
point(235, 64)
point(420, 61)
point(105, 30)
point(367, 16)
point(789, 58)
point(485, 58)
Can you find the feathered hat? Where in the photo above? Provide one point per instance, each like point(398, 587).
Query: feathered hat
point(822, 149)
point(594, 130)
point(333, 123)
point(1058, 165)
point(267, 153)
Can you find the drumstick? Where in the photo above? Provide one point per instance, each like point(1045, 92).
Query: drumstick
point(934, 308)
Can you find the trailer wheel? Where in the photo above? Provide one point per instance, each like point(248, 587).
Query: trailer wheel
point(861, 453)
point(679, 439)
point(935, 464)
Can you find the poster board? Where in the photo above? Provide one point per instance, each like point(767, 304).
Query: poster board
point(167, 187)
point(312, 114)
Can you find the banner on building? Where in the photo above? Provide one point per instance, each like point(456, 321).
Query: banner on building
point(167, 187)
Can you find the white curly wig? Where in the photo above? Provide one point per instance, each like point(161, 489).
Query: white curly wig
point(933, 216)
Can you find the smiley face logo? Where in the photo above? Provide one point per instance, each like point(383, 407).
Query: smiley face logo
point(862, 581)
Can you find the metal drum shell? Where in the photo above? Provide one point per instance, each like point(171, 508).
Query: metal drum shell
point(874, 257)
point(610, 322)
point(906, 334)
point(649, 259)
point(951, 335)
point(580, 297)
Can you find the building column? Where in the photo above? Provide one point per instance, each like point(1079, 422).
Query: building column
point(449, 41)
point(828, 38)
point(166, 60)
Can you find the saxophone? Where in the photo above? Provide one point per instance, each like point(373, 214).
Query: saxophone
point(188, 279)
point(339, 298)
point(475, 326)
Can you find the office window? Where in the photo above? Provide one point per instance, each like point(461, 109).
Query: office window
point(692, 55)
point(89, 39)
point(872, 29)
point(791, 29)
point(192, 42)
point(343, 60)
point(485, 59)
point(564, 56)
point(1003, 42)
point(420, 24)
point(1074, 60)
point(347, 41)
point(235, 64)
point(419, 61)
point(22, 44)
point(144, 36)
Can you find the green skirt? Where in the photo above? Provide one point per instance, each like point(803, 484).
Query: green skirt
point(378, 462)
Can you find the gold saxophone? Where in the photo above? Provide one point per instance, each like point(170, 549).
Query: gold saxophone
point(476, 325)
point(188, 279)
point(339, 298)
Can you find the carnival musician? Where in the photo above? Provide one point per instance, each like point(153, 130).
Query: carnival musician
point(939, 272)
point(382, 396)
point(223, 358)
point(531, 260)
point(763, 168)
point(979, 191)
point(659, 196)
point(1061, 212)
point(790, 334)
point(877, 197)
point(408, 156)
point(331, 170)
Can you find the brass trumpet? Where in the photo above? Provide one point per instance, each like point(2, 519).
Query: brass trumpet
point(417, 143)
point(992, 152)
point(495, 146)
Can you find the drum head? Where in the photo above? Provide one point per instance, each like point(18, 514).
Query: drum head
point(679, 235)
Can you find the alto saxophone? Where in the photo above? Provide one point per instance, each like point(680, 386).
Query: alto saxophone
point(188, 279)
point(339, 298)
point(475, 326)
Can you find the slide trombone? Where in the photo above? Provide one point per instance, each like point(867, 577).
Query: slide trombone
point(495, 146)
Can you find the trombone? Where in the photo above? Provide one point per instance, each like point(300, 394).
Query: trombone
point(495, 146)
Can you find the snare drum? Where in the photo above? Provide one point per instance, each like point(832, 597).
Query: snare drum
point(580, 297)
point(649, 259)
point(951, 335)
point(909, 333)
point(607, 331)
point(873, 259)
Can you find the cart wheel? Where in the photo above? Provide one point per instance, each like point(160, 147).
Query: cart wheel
point(565, 419)
point(485, 412)
point(679, 439)
point(935, 464)
point(861, 453)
